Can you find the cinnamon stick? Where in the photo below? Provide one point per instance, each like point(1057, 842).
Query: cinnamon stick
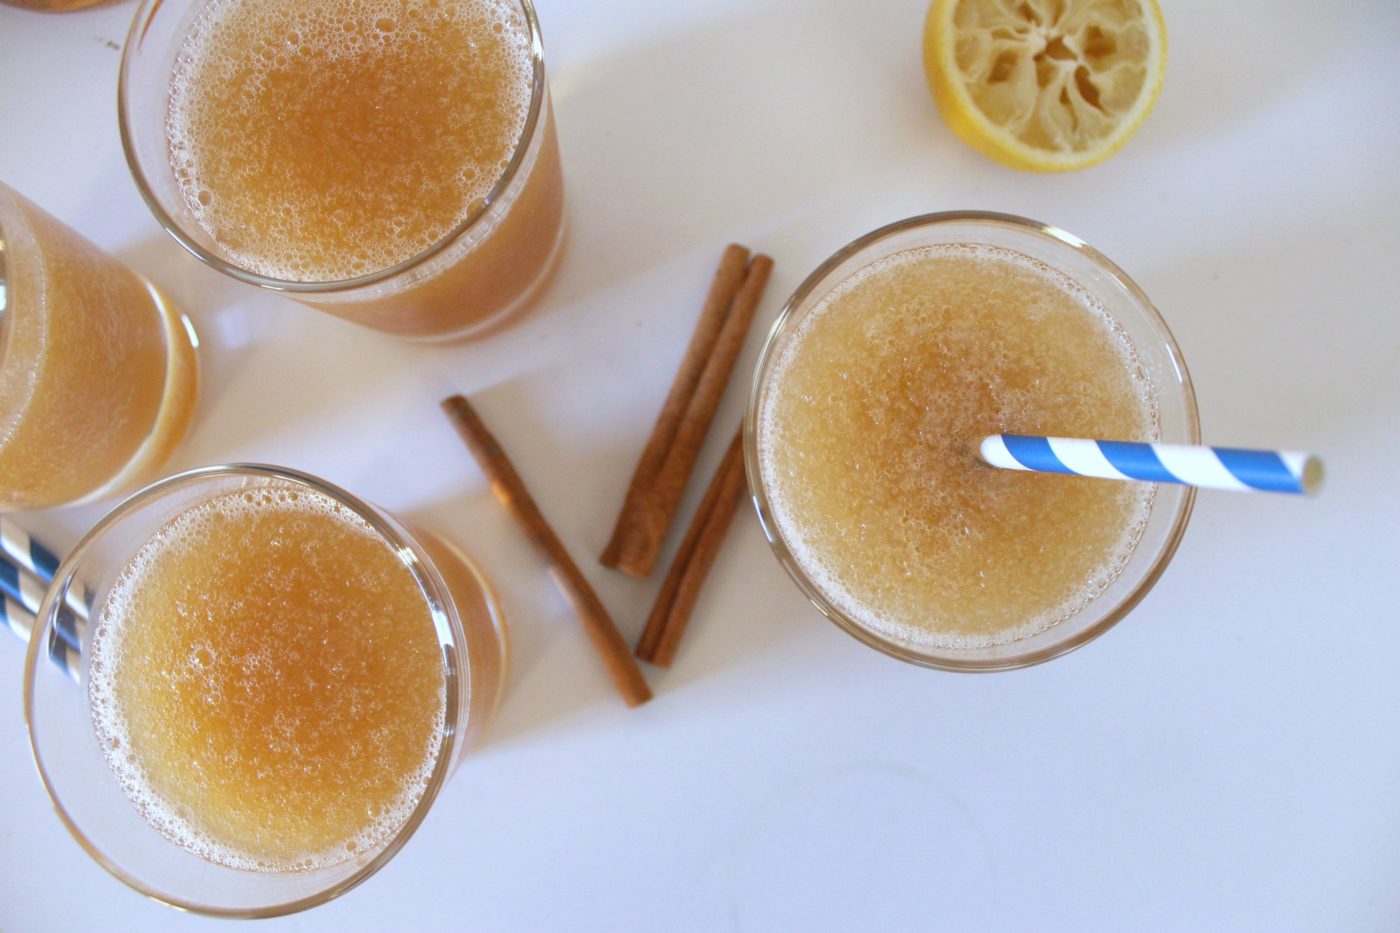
point(510, 490)
point(681, 588)
point(669, 458)
point(733, 266)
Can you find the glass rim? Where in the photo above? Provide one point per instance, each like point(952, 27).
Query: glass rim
point(135, 35)
point(948, 660)
point(13, 408)
point(454, 674)
point(10, 409)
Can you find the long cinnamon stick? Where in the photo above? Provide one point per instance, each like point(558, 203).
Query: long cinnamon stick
point(674, 603)
point(669, 459)
point(733, 266)
point(510, 490)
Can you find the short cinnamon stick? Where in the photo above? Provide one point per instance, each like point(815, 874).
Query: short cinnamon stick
point(668, 461)
point(510, 490)
point(681, 588)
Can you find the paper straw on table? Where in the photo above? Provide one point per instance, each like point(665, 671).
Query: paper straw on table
point(1190, 465)
point(18, 619)
point(21, 622)
point(28, 553)
point(26, 569)
point(20, 584)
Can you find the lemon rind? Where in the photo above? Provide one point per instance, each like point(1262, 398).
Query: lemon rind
point(968, 122)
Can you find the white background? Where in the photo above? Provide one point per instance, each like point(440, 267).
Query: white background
point(1228, 758)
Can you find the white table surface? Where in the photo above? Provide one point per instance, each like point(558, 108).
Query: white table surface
point(1225, 759)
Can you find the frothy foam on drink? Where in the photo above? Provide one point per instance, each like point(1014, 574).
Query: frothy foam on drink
point(327, 139)
point(927, 515)
point(119, 616)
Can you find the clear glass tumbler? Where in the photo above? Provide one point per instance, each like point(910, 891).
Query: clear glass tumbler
point(488, 268)
point(52, 6)
point(1164, 370)
point(67, 744)
point(98, 371)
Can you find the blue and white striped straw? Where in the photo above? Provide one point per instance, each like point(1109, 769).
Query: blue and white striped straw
point(1190, 465)
point(17, 619)
point(20, 621)
point(28, 553)
point(26, 570)
point(20, 584)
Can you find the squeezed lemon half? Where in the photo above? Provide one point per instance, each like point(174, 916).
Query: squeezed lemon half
point(1045, 85)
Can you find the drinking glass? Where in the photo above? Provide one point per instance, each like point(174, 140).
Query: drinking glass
point(73, 766)
point(488, 268)
point(51, 6)
point(98, 371)
point(1156, 350)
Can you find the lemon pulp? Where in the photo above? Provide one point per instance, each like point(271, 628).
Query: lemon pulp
point(1045, 85)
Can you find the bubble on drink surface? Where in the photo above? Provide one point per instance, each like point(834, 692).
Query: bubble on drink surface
point(117, 618)
point(225, 133)
point(921, 541)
